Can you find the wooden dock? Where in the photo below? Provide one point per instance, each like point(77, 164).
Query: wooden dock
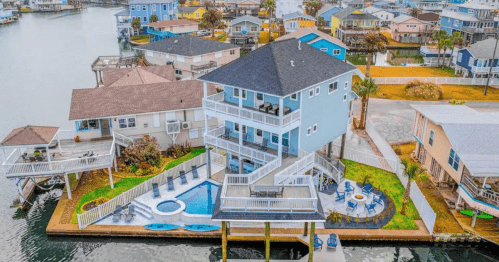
point(29, 188)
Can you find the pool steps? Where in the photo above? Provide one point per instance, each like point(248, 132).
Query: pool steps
point(142, 209)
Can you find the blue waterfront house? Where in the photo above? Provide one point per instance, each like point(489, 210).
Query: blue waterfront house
point(474, 21)
point(319, 40)
point(326, 11)
point(143, 9)
point(426, 5)
point(475, 60)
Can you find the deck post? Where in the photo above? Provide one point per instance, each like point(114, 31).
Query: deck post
point(110, 177)
point(342, 149)
point(458, 202)
point(20, 189)
point(115, 163)
point(59, 143)
point(241, 168)
point(208, 161)
point(305, 229)
point(473, 219)
point(224, 241)
point(311, 245)
point(267, 241)
point(67, 185)
point(77, 175)
point(96, 78)
point(100, 73)
point(48, 157)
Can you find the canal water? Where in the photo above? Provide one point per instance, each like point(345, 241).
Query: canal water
point(42, 58)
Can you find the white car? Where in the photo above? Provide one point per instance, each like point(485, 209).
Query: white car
point(203, 32)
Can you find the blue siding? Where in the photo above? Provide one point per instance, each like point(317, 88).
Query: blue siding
point(229, 95)
point(327, 15)
point(294, 105)
point(465, 59)
point(159, 9)
point(323, 43)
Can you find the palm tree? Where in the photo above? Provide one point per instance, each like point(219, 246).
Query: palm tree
point(436, 37)
point(153, 18)
point(364, 89)
point(414, 12)
point(313, 7)
point(457, 39)
point(136, 24)
point(372, 43)
point(269, 6)
point(212, 18)
point(321, 22)
point(444, 43)
point(410, 171)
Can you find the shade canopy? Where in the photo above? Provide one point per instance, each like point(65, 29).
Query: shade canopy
point(30, 135)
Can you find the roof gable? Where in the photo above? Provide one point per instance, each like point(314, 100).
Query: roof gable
point(30, 135)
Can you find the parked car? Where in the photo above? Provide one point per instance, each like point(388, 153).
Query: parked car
point(203, 32)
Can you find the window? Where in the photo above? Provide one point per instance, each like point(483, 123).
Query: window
point(411, 25)
point(145, 18)
point(126, 122)
point(336, 51)
point(236, 92)
point(315, 128)
point(132, 7)
point(236, 127)
point(459, 57)
point(254, 28)
point(294, 97)
point(178, 72)
point(432, 137)
point(311, 93)
point(154, 7)
point(309, 131)
point(86, 125)
point(324, 49)
point(259, 96)
point(197, 14)
point(196, 59)
point(232, 52)
point(138, 7)
point(218, 54)
point(344, 97)
point(345, 85)
point(317, 90)
point(244, 129)
point(238, 28)
point(198, 115)
point(333, 87)
point(180, 58)
point(164, 7)
point(193, 133)
point(454, 160)
point(144, 8)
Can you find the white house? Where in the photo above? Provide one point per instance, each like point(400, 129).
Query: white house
point(384, 16)
point(288, 6)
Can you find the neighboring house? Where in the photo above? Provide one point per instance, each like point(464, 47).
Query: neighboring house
point(245, 7)
point(123, 24)
point(171, 28)
point(319, 40)
point(384, 16)
point(426, 5)
point(408, 29)
point(351, 25)
point(284, 7)
point(392, 7)
point(456, 2)
point(191, 56)
point(353, 4)
point(429, 18)
point(474, 21)
point(310, 94)
point(295, 21)
point(244, 31)
point(5, 15)
point(163, 9)
point(139, 101)
point(45, 5)
point(191, 12)
point(475, 60)
point(430, 55)
point(326, 11)
point(460, 146)
point(492, 3)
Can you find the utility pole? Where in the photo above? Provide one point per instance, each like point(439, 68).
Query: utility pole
point(490, 66)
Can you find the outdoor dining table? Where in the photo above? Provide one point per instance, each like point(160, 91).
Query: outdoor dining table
point(267, 190)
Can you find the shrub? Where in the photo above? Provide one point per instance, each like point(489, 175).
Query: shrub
point(424, 90)
point(455, 102)
point(179, 150)
point(146, 149)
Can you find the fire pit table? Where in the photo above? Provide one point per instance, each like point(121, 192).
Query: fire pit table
point(359, 198)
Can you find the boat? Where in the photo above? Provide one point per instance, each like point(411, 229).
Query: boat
point(201, 227)
point(161, 227)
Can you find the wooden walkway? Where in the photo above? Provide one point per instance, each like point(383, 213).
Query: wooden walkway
point(484, 228)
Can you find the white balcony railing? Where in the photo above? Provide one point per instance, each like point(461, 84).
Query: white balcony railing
point(215, 104)
point(485, 70)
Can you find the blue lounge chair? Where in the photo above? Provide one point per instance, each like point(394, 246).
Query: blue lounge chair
point(182, 177)
point(194, 170)
point(332, 241)
point(348, 187)
point(170, 183)
point(367, 189)
point(131, 214)
point(379, 199)
point(370, 207)
point(155, 190)
point(340, 196)
point(265, 143)
point(351, 205)
point(317, 242)
point(117, 213)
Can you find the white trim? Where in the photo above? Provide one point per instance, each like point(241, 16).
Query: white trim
point(329, 87)
point(293, 99)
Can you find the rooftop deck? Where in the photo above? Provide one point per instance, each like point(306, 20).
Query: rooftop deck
point(112, 62)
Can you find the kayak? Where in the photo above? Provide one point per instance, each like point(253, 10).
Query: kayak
point(482, 215)
point(161, 227)
point(201, 227)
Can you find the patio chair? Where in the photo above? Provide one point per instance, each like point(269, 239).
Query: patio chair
point(340, 196)
point(370, 207)
point(245, 138)
point(194, 170)
point(226, 134)
point(264, 107)
point(274, 110)
point(348, 187)
point(367, 189)
point(263, 146)
point(317, 242)
point(285, 151)
point(281, 192)
point(183, 178)
point(287, 110)
point(351, 205)
point(155, 190)
point(252, 193)
point(32, 159)
point(131, 214)
point(379, 199)
point(170, 183)
point(332, 241)
point(117, 213)
point(25, 158)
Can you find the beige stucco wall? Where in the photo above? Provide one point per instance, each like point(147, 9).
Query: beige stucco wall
point(181, 29)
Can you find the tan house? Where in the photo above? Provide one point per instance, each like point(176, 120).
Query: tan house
point(177, 26)
point(459, 147)
point(190, 56)
point(142, 100)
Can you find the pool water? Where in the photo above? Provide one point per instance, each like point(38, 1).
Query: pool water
point(168, 206)
point(200, 199)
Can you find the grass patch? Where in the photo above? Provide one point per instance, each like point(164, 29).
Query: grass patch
point(140, 38)
point(403, 71)
point(458, 92)
point(390, 184)
point(358, 59)
point(126, 184)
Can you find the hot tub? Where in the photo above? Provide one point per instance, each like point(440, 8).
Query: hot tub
point(168, 206)
point(168, 211)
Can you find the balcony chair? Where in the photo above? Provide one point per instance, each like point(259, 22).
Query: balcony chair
point(285, 151)
point(332, 241)
point(274, 110)
point(252, 193)
point(183, 178)
point(287, 110)
point(32, 159)
point(245, 138)
point(131, 214)
point(155, 190)
point(170, 184)
point(351, 205)
point(226, 134)
point(367, 189)
point(340, 196)
point(348, 188)
point(370, 207)
point(194, 170)
point(263, 146)
point(317, 242)
point(117, 213)
point(264, 107)
point(379, 199)
point(281, 192)
point(25, 158)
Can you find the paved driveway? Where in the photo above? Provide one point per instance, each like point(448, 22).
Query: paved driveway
point(393, 119)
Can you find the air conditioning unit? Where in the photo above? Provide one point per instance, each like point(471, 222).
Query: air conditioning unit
point(186, 125)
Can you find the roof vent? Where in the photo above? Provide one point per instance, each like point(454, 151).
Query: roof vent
point(292, 63)
point(299, 45)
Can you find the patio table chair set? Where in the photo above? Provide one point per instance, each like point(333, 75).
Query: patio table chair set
point(268, 108)
point(128, 214)
point(267, 191)
point(37, 156)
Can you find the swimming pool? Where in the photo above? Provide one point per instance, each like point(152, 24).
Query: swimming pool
point(168, 206)
point(200, 199)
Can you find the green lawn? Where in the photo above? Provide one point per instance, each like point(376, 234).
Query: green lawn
point(126, 184)
point(390, 184)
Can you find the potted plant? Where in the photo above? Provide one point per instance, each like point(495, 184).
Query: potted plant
point(77, 139)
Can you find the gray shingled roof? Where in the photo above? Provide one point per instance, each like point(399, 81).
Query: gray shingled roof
point(484, 49)
point(475, 6)
point(187, 46)
point(249, 18)
point(297, 15)
point(279, 68)
point(346, 14)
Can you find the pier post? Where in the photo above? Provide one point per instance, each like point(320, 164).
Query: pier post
point(68, 187)
point(110, 177)
point(458, 202)
point(77, 175)
point(305, 229)
point(267, 241)
point(311, 245)
point(224, 241)
point(473, 219)
point(342, 149)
